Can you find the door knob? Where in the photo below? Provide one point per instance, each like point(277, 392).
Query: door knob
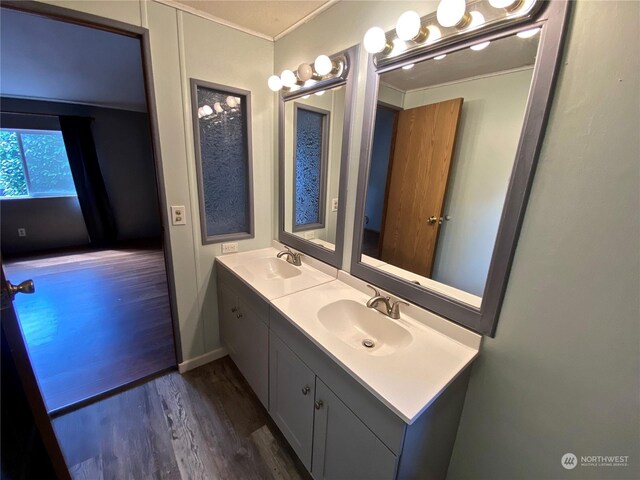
point(306, 390)
point(431, 220)
point(319, 404)
point(23, 287)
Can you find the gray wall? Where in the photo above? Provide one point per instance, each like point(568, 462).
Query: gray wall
point(126, 160)
point(562, 374)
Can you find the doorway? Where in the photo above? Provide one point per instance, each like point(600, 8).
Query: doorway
point(82, 208)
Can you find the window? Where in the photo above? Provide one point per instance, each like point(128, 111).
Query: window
point(222, 121)
point(310, 167)
point(33, 163)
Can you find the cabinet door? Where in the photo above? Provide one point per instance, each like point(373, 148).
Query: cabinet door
point(228, 306)
point(291, 394)
point(343, 447)
point(251, 344)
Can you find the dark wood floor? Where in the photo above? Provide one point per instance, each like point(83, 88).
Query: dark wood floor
point(98, 320)
point(205, 424)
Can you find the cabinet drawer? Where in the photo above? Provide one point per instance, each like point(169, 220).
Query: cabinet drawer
point(387, 426)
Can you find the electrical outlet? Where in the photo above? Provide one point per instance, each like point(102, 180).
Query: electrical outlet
point(178, 216)
point(334, 205)
point(22, 232)
point(310, 234)
point(230, 247)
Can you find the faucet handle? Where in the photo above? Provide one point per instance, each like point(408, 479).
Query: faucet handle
point(395, 309)
point(376, 293)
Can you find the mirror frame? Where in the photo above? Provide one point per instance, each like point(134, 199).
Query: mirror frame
point(553, 18)
point(334, 257)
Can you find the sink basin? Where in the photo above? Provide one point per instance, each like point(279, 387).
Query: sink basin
point(364, 328)
point(272, 268)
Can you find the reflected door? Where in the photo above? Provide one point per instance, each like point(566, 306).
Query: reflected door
point(418, 175)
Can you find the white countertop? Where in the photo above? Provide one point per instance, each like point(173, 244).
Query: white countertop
point(272, 286)
point(407, 380)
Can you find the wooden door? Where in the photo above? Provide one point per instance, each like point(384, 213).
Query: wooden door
point(417, 182)
point(343, 446)
point(27, 385)
point(291, 392)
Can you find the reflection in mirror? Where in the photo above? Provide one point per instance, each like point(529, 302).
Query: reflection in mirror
point(444, 144)
point(313, 129)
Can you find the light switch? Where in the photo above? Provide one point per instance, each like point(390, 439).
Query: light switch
point(178, 216)
point(334, 205)
point(230, 247)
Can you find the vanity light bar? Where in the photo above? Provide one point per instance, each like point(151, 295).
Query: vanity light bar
point(323, 71)
point(453, 20)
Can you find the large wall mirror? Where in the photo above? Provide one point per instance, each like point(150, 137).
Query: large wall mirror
point(314, 148)
point(452, 139)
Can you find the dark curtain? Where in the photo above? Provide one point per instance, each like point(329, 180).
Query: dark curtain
point(87, 177)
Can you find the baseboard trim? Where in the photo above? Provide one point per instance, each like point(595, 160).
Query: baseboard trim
point(202, 360)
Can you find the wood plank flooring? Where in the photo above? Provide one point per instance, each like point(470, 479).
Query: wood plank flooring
point(205, 424)
point(98, 320)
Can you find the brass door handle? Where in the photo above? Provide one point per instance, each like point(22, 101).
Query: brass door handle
point(23, 287)
point(432, 220)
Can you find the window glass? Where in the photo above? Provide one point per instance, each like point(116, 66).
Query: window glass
point(34, 163)
point(309, 167)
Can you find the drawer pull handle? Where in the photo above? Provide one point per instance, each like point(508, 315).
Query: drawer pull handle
point(306, 390)
point(319, 404)
point(239, 315)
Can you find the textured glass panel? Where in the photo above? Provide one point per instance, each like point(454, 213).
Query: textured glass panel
point(46, 158)
point(309, 155)
point(225, 161)
point(12, 180)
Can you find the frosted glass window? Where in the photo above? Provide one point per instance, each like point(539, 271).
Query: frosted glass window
point(223, 151)
point(310, 168)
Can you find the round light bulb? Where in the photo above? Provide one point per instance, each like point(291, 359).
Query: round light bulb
point(480, 46)
point(451, 13)
point(529, 33)
point(288, 78)
point(217, 107)
point(304, 97)
point(200, 113)
point(305, 72)
point(207, 110)
point(310, 83)
point(320, 93)
point(508, 4)
point(323, 65)
point(274, 83)
point(231, 101)
point(477, 20)
point(440, 57)
point(408, 26)
point(409, 67)
point(375, 40)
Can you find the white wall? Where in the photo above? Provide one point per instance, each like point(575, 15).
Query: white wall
point(562, 374)
point(185, 46)
point(488, 134)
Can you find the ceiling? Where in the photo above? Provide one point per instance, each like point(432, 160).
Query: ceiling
point(47, 59)
point(501, 55)
point(268, 18)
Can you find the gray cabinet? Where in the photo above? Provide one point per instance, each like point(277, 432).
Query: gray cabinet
point(244, 331)
point(291, 397)
point(343, 446)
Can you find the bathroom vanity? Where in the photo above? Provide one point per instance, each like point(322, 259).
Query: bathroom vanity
point(387, 409)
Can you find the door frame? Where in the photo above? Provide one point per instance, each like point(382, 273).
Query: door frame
point(55, 12)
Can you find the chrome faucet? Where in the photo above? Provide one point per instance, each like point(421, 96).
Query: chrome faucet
point(294, 258)
point(384, 304)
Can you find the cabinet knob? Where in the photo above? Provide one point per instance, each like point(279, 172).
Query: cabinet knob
point(239, 315)
point(319, 404)
point(234, 309)
point(306, 390)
